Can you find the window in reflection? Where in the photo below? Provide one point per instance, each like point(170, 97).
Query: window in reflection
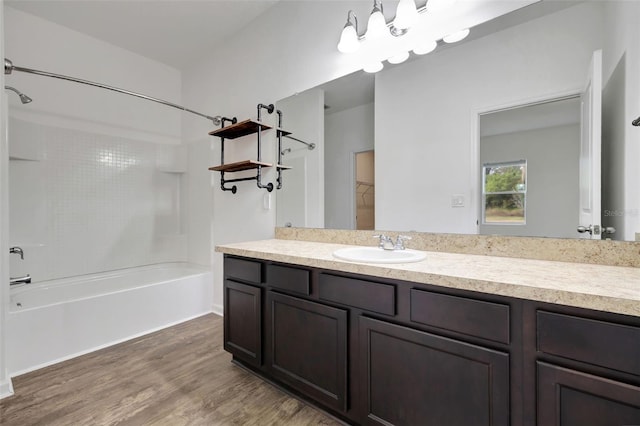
point(504, 191)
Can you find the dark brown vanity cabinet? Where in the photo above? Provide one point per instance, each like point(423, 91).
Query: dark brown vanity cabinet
point(307, 348)
point(417, 378)
point(243, 310)
point(587, 372)
point(568, 397)
point(379, 351)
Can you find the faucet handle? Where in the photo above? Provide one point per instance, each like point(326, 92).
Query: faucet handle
point(399, 245)
point(17, 250)
point(383, 240)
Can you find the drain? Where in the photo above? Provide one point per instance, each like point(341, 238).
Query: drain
point(19, 305)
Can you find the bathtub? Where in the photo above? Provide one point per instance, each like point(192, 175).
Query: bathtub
point(55, 320)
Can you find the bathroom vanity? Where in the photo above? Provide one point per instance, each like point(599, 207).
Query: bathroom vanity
point(453, 340)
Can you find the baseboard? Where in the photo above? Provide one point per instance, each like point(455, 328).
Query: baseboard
point(6, 388)
point(218, 309)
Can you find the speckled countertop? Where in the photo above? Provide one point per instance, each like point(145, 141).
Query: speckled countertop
point(606, 288)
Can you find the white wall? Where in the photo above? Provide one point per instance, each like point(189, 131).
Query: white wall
point(429, 138)
point(199, 201)
point(552, 199)
point(289, 49)
point(33, 42)
point(621, 105)
point(347, 132)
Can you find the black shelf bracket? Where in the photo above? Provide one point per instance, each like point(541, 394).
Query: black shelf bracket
point(269, 186)
point(233, 189)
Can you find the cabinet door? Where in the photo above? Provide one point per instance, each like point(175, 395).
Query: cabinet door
point(308, 348)
point(243, 321)
point(571, 398)
point(416, 378)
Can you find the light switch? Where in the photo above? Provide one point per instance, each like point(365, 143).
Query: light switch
point(457, 200)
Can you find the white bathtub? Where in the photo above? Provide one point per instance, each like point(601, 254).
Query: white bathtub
point(55, 320)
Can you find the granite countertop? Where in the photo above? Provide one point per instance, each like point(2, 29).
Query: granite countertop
point(613, 289)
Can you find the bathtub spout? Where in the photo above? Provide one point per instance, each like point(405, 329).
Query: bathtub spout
point(20, 280)
point(17, 250)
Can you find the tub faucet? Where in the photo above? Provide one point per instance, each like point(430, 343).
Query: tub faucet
point(17, 250)
point(20, 280)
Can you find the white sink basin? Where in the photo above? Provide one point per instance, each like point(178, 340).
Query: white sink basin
point(378, 255)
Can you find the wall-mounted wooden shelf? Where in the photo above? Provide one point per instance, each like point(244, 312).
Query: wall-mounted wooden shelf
point(243, 128)
point(237, 130)
point(240, 166)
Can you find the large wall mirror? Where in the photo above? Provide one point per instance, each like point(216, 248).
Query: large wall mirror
point(487, 136)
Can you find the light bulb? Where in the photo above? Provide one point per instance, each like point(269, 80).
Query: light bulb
point(406, 14)
point(373, 67)
point(349, 42)
point(376, 26)
point(457, 36)
point(399, 58)
point(425, 47)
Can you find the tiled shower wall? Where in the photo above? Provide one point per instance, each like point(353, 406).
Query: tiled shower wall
point(82, 203)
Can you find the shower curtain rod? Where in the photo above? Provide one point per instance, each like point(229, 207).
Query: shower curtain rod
point(310, 145)
point(9, 68)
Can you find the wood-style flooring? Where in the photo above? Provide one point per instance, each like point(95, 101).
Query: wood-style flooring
point(176, 376)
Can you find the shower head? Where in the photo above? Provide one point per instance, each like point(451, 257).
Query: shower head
point(23, 98)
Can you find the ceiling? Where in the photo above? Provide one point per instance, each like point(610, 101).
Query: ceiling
point(175, 32)
point(349, 91)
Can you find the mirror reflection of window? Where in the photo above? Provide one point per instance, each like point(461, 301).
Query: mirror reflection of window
point(542, 199)
point(504, 193)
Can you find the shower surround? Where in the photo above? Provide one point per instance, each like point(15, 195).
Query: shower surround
point(83, 203)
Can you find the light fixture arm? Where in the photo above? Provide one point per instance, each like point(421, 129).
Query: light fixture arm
point(377, 3)
point(350, 14)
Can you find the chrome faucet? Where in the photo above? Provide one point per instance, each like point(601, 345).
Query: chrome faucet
point(17, 250)
point(386, 243)
point(399, 245)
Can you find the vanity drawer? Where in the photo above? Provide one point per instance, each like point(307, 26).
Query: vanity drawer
point(486, 320)
point(244, 270)
point(289, 279)
point(367, 295)
point(601, 343)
